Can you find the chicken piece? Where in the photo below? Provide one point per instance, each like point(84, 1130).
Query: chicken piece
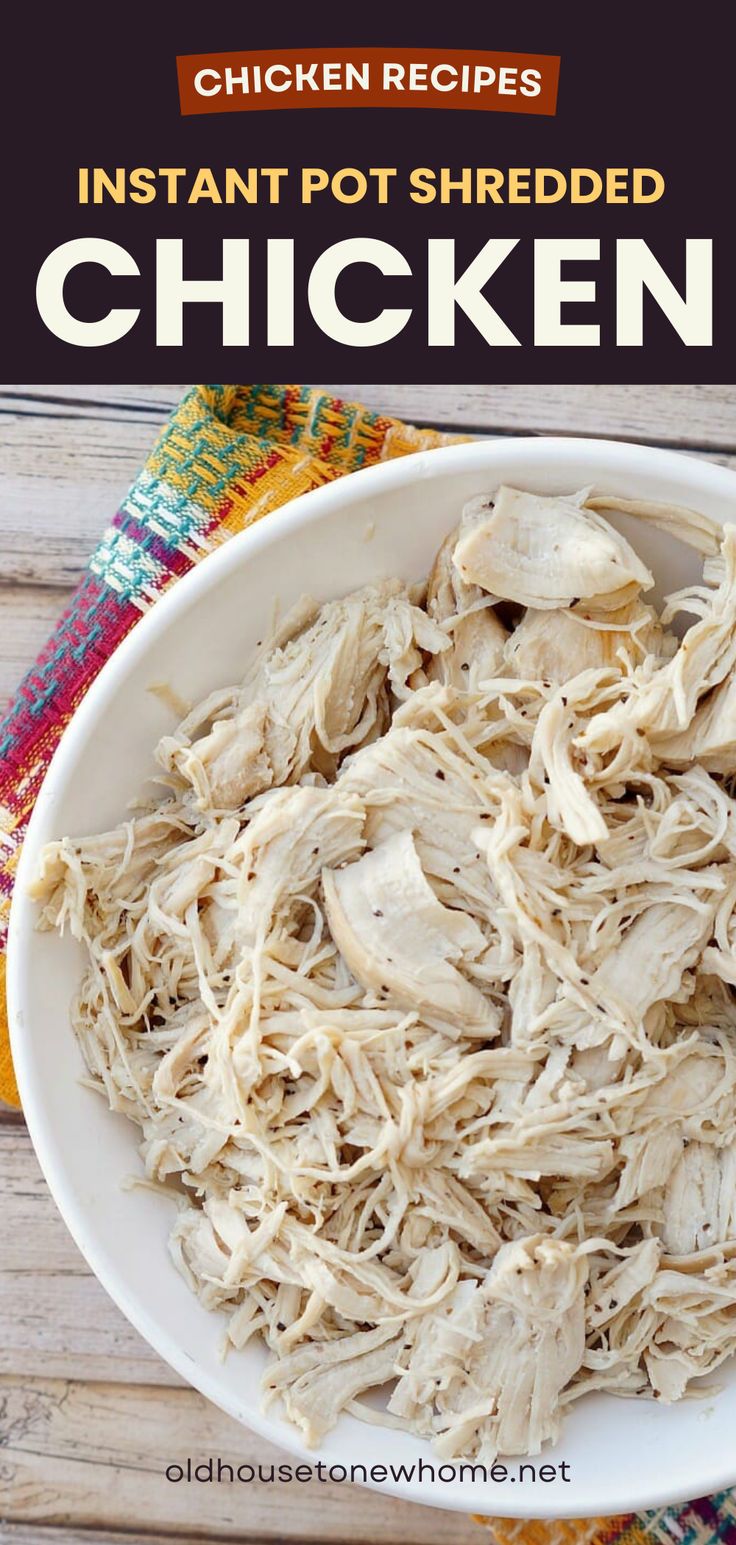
point(237, 759)
point(648, 967)
point(649, 963)
point(664, 703)
point(370, 1291)
point(714, 569)
point(553, 646)
point(233, 744)
point(477, 636)
point(409, 634)
point(549, 552)
point(397, 938)
point(187, 871)
point(325, 682)
point(531, 991)
point(475, 655)
point(571, 807)
point(488, 1375)
point(697, 1094)
point(670, 1373)
point(447, 593)
point(615, 1289)
point(649, 1159)
point(318, 1380)
point(693, 826)
point(700, 1200)
point(293, 835)
point(715, 961)
point(710, 737)
point(414, 778)
point(74, 871)
point(693, 1304)
point(689, 526)
point(534, 1152)
point(596, 1067)
point(191, 1042)
point(319, 690)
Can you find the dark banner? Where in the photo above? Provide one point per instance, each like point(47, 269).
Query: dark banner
point(579, 230)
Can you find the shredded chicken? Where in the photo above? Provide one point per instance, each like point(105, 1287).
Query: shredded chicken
point(418, 981)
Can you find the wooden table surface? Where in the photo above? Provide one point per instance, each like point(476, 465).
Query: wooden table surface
point(89, 1415)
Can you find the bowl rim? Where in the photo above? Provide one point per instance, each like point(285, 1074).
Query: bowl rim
point(708, 1473)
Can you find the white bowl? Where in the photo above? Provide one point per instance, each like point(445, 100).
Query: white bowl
point(623, 1455)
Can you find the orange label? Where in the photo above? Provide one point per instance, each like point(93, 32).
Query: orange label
point(368, 77)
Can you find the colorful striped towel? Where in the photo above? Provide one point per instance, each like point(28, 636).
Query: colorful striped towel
point(228, 455)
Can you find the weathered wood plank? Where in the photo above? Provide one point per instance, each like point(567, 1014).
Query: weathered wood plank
point(698, 416)
point(68, 1534)
point(685, 414)
point(57, 1320)
point(97, 1454)
point(62, 1534)
point(90, 401)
